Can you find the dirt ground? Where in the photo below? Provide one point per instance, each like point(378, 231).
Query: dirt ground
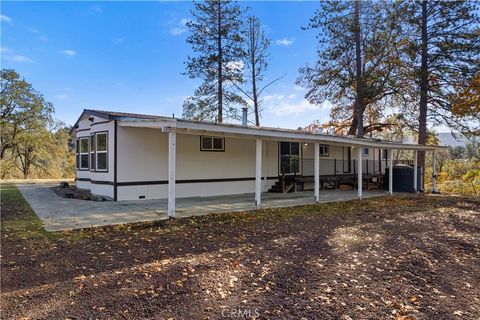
point(384, 258)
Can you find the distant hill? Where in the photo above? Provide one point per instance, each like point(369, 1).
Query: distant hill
point(446, 139)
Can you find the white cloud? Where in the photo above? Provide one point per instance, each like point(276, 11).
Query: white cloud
point(175, 99)
point(285, 42)
point(69, 53)
point(117, 40)
point(292, 107)
point(96, 9)
point(176, 31)
point(61, 96)
point(179, 28)
point(4, 18)
point(18, 58)
point(10, 55)
point(38, 33)
point(281, 105)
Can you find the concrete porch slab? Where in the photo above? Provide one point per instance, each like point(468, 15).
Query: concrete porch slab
point(58, 213)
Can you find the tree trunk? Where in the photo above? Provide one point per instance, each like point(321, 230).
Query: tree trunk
point(353, 126)
point(220, 58)
point(360, 101)
point(3, 151)
point(24, 162)
point(254, 76)
point(255, 104)
point(422, 120)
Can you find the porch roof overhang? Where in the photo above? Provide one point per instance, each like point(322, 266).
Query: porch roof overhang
point(266, 133)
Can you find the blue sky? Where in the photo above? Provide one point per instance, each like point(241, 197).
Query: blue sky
point(129, 56)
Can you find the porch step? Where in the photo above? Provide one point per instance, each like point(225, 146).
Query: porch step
point(277, 187)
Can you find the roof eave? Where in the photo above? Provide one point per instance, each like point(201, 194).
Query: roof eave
point(199, 127)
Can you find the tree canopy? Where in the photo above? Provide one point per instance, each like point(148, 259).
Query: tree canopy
point(216, 38)
point(32, 143)
point(334, 76)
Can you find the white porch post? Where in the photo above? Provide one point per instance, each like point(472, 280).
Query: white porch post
point(390, 171)
point(172, 146)
point(258, 174)
point(415, 170)
point(434, 174)
point(359, 172)
point(316, 171)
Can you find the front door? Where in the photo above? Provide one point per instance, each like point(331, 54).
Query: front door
point(289, 157)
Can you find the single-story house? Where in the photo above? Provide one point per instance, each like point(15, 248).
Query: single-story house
point(126, 156)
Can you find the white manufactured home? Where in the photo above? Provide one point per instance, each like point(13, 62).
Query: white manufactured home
point(126, 156)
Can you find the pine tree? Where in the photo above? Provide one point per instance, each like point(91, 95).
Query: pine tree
point(216, 38)
point(256, 55)
point(360, 86)
point(256, 64)
point(357, 61)
point(445, 48)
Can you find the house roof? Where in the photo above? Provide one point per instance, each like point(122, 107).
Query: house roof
point(171, 123)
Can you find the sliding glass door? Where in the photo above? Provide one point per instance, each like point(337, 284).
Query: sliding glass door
point(289, 157)
point(347, 159)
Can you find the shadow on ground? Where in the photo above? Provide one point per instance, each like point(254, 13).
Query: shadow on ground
point(388, 257)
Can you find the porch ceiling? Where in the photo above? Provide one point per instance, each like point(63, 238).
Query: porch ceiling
point(266, 133)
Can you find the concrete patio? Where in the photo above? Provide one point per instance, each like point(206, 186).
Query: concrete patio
point(58, 213)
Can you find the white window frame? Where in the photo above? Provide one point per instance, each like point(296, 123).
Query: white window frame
point(324, 150)
point(222, 149)
point(366, 152)
point(77, 154)
point(92, 152)
point(101, 151)
point(87, 153)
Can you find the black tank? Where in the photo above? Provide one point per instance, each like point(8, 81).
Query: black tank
point(403, 178)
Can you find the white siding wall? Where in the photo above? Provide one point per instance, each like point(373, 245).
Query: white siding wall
point(103, 189)
point(83, 184)
point(143, 160)
point(143, 157)
point(142, 154)
point(85, 129)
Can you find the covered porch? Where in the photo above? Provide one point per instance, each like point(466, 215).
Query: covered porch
point(360, 170)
